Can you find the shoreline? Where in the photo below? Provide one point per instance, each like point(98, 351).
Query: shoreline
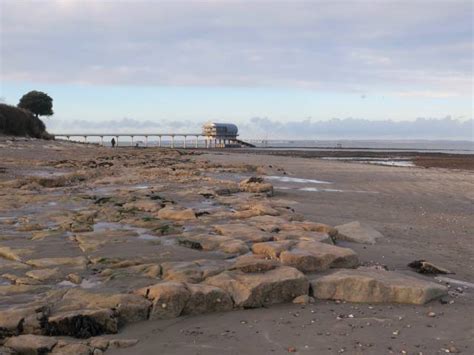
point(420, 159)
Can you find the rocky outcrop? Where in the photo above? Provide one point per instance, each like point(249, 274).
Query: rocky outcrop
point(375, 286)
point(251, 290)
point(357, 233)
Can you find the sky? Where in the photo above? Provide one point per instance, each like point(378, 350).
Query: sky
point(288, 69)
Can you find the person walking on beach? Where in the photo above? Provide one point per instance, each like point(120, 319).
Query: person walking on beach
point(113, 142)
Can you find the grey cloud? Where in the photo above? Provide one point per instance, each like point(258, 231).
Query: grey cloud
point(348, 45)
point(358, 128)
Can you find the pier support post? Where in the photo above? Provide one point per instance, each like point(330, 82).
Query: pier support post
point(116, 143)
point(85, 139)
point(172, 141)
point(101, 140)
point(184, 142)
point(197, 137)
point(146, 141)
point(131, 141)
point(159, 141)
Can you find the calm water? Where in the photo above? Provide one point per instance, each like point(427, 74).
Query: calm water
point(454, 147)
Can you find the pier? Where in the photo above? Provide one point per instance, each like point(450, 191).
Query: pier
point(217, 135)
point(190, 140)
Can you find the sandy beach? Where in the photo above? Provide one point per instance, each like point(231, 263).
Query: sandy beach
point(86, 229)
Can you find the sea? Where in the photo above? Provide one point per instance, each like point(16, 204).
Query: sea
point(435, 146)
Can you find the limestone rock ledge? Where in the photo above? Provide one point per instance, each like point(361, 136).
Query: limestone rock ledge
point(375, 286)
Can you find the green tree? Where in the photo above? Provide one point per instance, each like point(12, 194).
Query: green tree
point(38, 103)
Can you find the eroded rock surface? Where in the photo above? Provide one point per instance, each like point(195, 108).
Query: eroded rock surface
point(358, 233)
point(375, 286)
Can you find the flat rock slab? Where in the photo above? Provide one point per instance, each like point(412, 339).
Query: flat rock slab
point(192, 271)
point(253, 263)
point(208, 242)
point(252, 290)
point(31, 344)
point(309, 256)
point(358, 233)
point(176, 214)
point(243, 232)
point(304, 235)
point(375, 286)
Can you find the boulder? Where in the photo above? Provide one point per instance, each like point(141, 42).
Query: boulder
point(256, 185)
point(243, 232)
point(315, 256)
point(168, 298)
point(375, 286)
point(272, 250)
point(253, 263)
point(357, 233)
point(30, 344)
point(176, 214)
point(279, 285)
point(206, 299)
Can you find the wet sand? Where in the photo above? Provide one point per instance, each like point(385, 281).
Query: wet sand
point(424, 214)
point(417, 158)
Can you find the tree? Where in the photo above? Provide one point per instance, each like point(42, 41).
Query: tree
point(38, 103)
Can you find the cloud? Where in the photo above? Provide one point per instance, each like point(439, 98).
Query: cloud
point(350, 45)
point(266, 128)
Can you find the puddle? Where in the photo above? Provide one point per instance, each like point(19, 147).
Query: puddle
point(314, 189)
point(454, 281)
point(47, 174)
point(375, 161)
point(148, 237)
point(84, 284)
point(295, 180)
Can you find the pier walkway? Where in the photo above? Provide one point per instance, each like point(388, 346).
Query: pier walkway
point(210, 142)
